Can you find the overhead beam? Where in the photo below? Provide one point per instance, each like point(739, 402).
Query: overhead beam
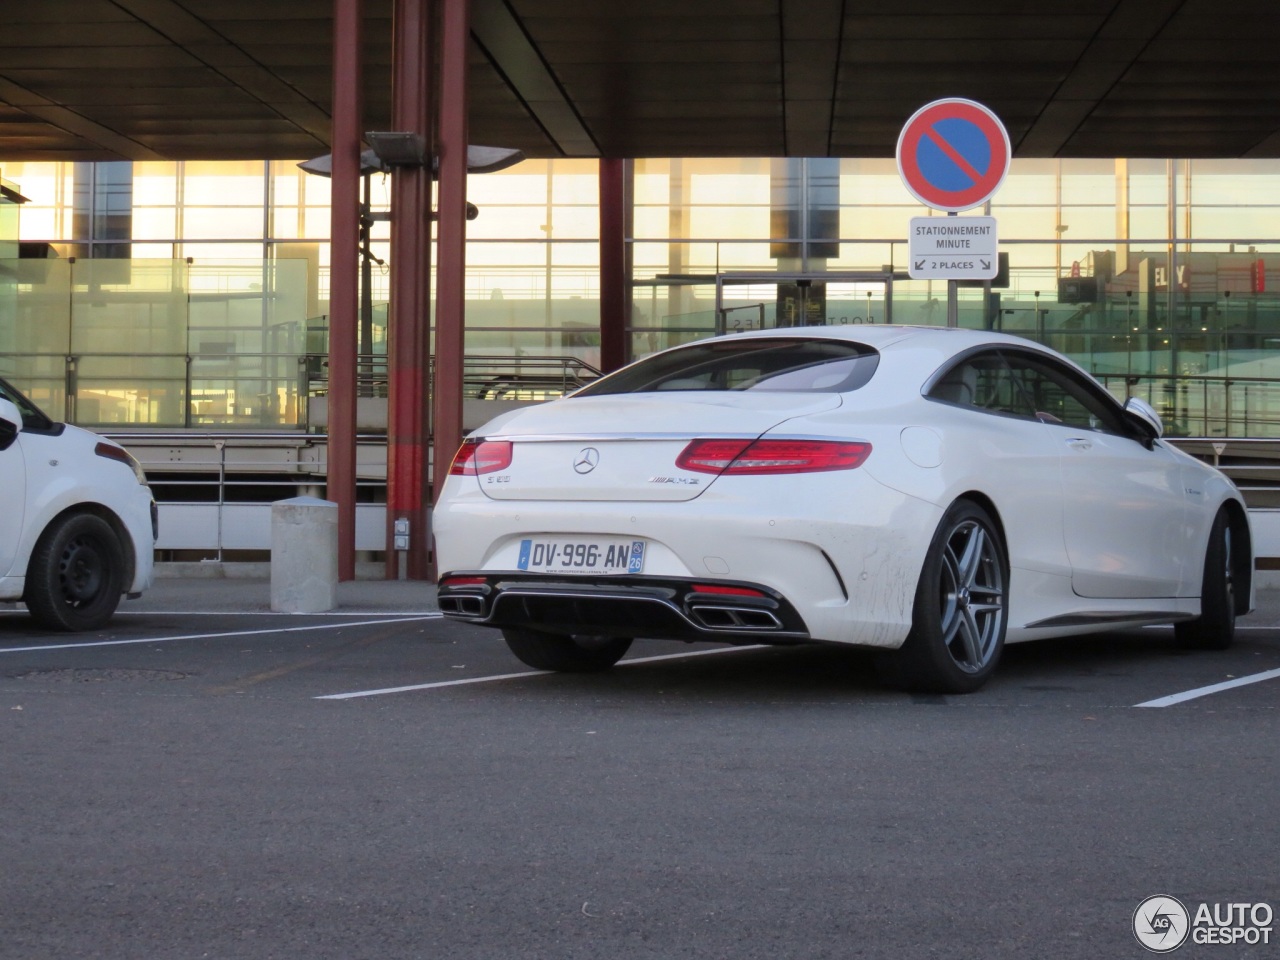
point(210, 48)
point(74, 123)
point(811, 33)
point(1110, 53)
point(507, 45)
point(1266, 148)
point(248, 79)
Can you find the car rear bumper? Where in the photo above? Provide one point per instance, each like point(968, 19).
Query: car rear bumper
point(141, 520)
point(845, 552)
point(663, 608)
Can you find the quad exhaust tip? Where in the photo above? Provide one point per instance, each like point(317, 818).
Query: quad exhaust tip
point(462, 605)
point(734, 618)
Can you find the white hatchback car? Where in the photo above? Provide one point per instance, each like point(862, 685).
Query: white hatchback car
point(920, 491)
point(78, 525)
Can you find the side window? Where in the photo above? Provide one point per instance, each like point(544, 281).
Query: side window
point(983, 381)
point(33, 418)
point(1059, 395)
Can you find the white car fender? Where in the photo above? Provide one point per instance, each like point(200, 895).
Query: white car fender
point(1206, 485)
point(62, 475)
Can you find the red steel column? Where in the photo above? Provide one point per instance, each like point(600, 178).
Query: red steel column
point(344, 273)
point(452, 238)
point(613, 273)
point(409, 352)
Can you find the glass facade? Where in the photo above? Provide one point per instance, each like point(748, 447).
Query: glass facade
point(1091, 247)
point(155, 342)
point(10, 199)
point(194, 294)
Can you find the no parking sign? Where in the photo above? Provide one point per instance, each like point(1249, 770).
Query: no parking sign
point(953, 154)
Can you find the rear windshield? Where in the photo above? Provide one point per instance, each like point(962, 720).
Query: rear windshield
point(784, 364)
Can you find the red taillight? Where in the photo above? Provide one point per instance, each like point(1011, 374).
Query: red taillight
point(726, 591)
point(463, 581)
point(710, 456)
point(484, 456)
point(772, 456)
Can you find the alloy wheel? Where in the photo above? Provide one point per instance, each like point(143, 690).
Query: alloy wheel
point(971, 596)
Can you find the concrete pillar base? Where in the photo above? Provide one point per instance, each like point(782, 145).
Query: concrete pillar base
point(304, 555)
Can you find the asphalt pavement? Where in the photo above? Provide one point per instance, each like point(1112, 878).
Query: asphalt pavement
point(206, 778)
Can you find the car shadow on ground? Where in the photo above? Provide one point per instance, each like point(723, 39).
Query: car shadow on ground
point(1115, 654)
point(745, 674)
point(19, 629)
point(17, 626)
point(816, 672)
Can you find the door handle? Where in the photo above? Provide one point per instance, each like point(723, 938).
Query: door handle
point(1080, 443)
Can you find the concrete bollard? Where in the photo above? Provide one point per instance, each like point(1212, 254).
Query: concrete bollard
point(304, 555)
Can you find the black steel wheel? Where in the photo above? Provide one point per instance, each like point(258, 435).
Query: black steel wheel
point(565, 653)
point(76, 574)
point(961, 608)
point(1215, 628)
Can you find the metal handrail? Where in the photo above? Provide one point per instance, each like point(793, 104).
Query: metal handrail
point(217, 479)
point(483, 376)
point(304, 375)
point(1220, 404)
point(1206, 401)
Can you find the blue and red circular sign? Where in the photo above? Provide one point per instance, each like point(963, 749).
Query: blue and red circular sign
point(953, 154)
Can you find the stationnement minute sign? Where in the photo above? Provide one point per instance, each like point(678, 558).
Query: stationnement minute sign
point(953, 154)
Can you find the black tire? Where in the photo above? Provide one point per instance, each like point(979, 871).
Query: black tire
point(1215, 628)
point(76, 574)
point(960, 612)
point(564, 653)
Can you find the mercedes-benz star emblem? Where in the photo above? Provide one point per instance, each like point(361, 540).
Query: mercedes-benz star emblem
point(586, 460)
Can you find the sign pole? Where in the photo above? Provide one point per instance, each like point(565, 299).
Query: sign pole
point(953, 297)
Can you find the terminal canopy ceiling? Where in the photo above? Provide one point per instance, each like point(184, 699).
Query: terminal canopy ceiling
point(251, 79)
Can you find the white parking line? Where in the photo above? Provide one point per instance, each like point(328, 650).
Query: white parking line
point(528, 673)
point(212, 636)
point(1186, 695)
point(426, 614)
point(1239, 626)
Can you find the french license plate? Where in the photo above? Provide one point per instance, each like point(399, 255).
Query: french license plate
point(597, 555)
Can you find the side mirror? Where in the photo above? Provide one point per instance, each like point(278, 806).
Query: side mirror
point(1145, 417)
point(10, 423)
